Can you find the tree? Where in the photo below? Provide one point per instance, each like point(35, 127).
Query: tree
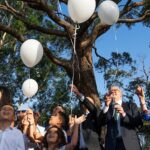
point(118, 70)
point(42, 20)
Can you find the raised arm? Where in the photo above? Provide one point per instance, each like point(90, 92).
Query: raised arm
point(74, 139)
point(140, 94)
point(84, 100)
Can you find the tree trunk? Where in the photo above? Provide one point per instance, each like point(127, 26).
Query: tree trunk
point(84, 77)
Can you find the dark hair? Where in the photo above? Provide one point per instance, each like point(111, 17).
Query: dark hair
point(6, 98)
point(65, 120)
point(61, 137)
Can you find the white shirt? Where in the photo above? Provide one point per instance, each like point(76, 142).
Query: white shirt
point(105, 109)
point(118, 117)
point(11, 139)
point(40, 129)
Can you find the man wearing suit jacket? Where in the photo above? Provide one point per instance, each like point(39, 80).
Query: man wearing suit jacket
point(121, 119)
point(89, 130)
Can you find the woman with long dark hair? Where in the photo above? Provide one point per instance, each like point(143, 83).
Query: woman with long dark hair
point(54, 138)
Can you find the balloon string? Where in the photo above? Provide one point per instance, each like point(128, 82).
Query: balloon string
point(73, 42)
point(74, 54)
point(29, 88)
point(115, 37)
point(59, 6)
point(77, 27)
point(29, 73)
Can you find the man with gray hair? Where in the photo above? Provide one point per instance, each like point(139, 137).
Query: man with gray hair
point(121, 119)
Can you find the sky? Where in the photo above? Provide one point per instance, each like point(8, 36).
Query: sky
point(136, 41)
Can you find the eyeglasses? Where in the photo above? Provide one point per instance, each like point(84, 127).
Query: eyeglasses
point(21, 111)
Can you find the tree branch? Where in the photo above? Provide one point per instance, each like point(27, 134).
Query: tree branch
point(45, 7)
point(5, 33)
point(144, 70)
point(30, 25)
point(145, 15)
point(85, 25)
point(96, 53)
point(12, 32)
point(55, 60)
point(64, 1)
point(98, 30)
point(128, 8)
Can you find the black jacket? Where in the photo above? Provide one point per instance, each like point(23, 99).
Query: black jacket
point(128, 125)
point(90, 127)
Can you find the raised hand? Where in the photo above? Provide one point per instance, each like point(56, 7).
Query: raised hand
point(80, 119)
point(120, 109)
point(71, 121)
point(30, 116)
point(107, 99)
point(25, 121)
point(75, 89)
point(140, 92)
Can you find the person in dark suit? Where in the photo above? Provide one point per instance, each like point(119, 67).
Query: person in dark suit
point(121, 119)
point(89, 130)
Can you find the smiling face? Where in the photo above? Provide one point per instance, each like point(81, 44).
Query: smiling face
point(7, 113)
point(52, 135)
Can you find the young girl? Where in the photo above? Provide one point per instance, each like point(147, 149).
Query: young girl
point(54, 138)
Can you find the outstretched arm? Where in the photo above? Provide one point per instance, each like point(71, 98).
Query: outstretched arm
point(84, 100)
point(74, 140)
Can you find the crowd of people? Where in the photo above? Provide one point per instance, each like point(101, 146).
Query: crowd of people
point(119, 119)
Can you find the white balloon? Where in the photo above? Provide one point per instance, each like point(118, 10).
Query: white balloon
point(31, 52)
point(81, 10)
point(29, 87)
point(108, 12)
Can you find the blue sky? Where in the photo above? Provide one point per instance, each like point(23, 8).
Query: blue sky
point(136, 41)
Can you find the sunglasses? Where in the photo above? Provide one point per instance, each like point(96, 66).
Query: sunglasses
point(19, 111)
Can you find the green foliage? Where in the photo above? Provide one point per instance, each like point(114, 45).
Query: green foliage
point(121, 70)
point(116, 69)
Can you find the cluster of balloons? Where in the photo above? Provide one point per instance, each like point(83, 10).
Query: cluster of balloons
point(31, 52)
point(81, 10)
